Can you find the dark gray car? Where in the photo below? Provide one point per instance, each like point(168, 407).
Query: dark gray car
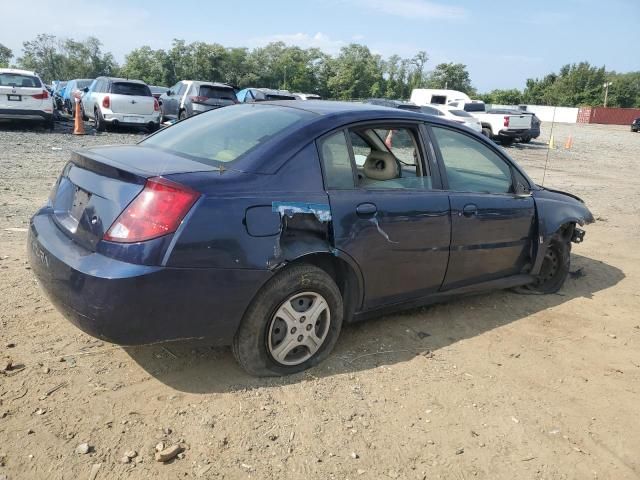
point(189, 97)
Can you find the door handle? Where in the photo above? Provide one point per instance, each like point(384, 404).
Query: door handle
point(470, 210)
point(366, 209)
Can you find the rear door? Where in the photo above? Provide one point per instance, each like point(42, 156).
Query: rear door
point(22, 92)
point(397, 229)
point(492, 225)
point(131, 98)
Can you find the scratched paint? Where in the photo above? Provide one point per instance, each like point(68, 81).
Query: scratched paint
point(322, 211)
point(374, 220)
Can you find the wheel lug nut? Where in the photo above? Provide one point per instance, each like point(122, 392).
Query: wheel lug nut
point(309, 326)
point(300, 337)
point(302, 319)
point(293, 330)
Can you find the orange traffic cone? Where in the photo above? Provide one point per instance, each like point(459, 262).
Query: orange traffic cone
point(78, 127)
point(569, 143)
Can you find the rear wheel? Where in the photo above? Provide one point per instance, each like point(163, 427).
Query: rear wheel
point(486, 132)
point(292, 324)
point(98, 121)
point(555, 266)
point(506, 141)
point(182, 115)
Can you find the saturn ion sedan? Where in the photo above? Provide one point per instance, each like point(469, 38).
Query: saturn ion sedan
point(269, 225)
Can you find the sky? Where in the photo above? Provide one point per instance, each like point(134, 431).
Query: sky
point(502, 42)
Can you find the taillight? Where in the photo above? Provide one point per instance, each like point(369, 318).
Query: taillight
point(106, 102)
point(41, 96)
point(506, 121)
point(156, 211)
point(199, 99)
point(156, 105)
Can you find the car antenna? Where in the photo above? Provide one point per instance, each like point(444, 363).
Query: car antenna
point(546, 162)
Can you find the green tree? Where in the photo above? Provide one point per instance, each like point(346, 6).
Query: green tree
point(512, 96)
point(453, 76)
point(5, 56)
point(356, 71)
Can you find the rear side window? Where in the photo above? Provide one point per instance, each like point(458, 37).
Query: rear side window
point(474, 107)
point(226, 134)
point(128, 88)
point(222, 93)
point(336, 161)
point(18, 80)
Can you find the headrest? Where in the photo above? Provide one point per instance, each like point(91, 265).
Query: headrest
point(381, 165)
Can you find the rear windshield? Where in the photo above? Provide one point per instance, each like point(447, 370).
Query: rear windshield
point(210, 91)
point(474, 107)
point(225, 134)
point(18, 80)
point(127, 88)
point(460, 113)
point(270, 96)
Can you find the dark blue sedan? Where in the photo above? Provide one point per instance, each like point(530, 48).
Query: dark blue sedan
point(268, 225)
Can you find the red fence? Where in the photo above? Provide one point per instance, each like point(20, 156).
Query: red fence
point(611, 116)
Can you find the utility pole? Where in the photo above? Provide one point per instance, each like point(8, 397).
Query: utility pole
point(606, 92)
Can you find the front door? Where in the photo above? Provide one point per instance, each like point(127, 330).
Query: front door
point(386, 212)
point(492, 225)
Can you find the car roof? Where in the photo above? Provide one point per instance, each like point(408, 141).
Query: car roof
point(204, 82)
point(116, 79)
point(18, 71)
point(272, 91)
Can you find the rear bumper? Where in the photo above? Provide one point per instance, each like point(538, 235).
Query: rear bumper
point(125, 119)
point(130, 304)
point(513, 133)
point(17, 114)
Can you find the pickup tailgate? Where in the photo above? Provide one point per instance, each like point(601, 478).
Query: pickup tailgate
point(518, 122)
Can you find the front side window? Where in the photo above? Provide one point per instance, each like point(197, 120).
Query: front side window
point(470, 165)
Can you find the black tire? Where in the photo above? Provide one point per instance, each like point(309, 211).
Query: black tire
point(506, 141)
point(153, 127)
point(555, 266)
point(50, 124)
point(486, 132)
point(525, 139)
point(182, 115)
point(98, 121)
point(250, 344)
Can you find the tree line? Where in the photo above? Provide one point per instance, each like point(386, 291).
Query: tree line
point(355, 72)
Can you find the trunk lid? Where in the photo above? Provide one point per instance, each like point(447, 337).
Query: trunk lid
point(131, 97)
point(98, 184)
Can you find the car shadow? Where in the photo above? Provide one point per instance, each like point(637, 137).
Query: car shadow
point(195, 367)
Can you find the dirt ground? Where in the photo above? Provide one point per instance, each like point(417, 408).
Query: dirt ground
point(498, 386)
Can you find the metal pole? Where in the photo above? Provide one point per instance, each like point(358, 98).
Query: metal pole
point(606, 93)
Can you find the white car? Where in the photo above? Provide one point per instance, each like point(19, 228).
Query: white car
point(453, 114)
point(118, 101)
point(307, 96)
point(23, 96)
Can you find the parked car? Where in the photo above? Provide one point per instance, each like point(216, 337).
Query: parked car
point(67, 94)
point(505, 128)
point(635, 126)
point(253, 225)
point(534, 131)
point(119, 101)
point(23, 96)
point(157, 91)
point(58, 90)
point(306, 96)
point(189, 97)
point(438, 96)
point(249, 95)
point(455, 115)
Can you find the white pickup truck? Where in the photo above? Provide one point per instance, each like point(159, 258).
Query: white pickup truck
point(505, 128)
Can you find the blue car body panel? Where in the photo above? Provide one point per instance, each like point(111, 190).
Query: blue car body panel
point(268, 209)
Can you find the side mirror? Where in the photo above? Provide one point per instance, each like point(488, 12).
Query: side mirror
point(169, 93)
point(85, 89)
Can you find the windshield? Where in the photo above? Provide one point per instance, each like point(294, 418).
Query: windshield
point(127, 88)
point(19, 80)
point(474, 107)
point(225, 134)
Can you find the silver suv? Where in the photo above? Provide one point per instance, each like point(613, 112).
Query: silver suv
point(189, 97)
point(118, 101)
